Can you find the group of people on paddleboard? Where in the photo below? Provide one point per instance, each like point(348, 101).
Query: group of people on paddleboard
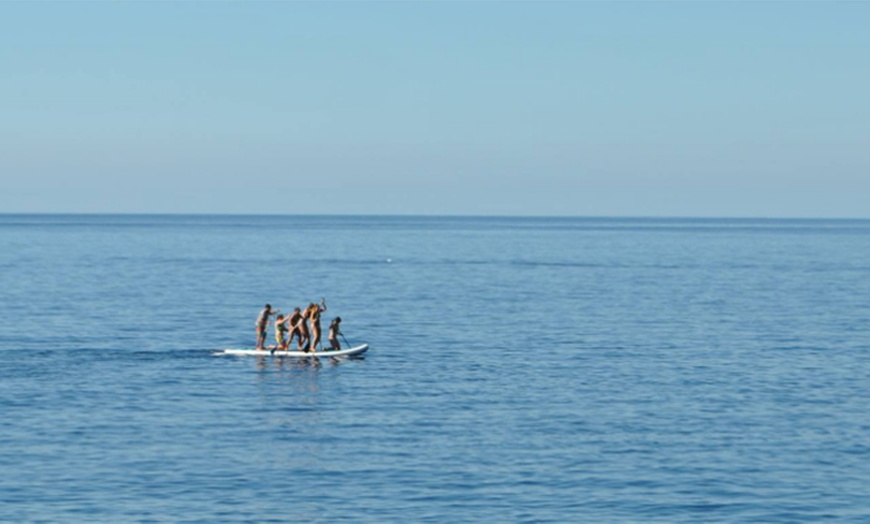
point(304, 325)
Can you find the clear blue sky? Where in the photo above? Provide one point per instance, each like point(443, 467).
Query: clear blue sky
point(497, 108)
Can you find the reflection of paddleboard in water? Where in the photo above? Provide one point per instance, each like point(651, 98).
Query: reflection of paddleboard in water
point(349, 352)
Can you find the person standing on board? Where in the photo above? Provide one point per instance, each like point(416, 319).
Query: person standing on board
point(262, 322)
point(294, 320)
point(334, 332)
point(314, 311)
point(301, 326)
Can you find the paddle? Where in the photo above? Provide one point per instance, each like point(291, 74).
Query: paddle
point(349, 345)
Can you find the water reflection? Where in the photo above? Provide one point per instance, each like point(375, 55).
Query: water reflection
point(265, 364)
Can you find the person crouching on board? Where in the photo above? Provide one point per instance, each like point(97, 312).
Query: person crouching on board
point(334, 331)
point(262, 322)
point(281, 332)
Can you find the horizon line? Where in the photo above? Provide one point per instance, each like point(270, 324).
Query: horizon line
point(428, 215)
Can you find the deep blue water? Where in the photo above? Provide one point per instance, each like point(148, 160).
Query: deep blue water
point(521, 370)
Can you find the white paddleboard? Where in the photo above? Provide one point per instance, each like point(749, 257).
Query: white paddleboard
point(356, 350)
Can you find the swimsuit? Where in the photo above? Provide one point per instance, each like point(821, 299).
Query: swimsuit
point(280, 329)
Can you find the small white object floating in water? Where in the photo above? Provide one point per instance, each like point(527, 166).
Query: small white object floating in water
point(349, 352)
point(389, 260)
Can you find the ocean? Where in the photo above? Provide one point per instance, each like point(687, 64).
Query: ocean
point(520, 370)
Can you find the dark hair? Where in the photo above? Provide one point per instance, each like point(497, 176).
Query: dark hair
point(268, 306)
point(337, 319)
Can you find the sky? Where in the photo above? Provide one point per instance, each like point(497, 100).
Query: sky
point(544, 108)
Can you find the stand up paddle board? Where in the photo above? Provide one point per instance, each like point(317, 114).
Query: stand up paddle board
point(349, 352)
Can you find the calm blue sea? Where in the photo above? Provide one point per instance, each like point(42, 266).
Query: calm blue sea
point(520, 370)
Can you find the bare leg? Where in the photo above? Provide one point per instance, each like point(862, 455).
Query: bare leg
point(295, 333)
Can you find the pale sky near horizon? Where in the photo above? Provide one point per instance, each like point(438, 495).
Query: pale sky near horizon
point(750, 109)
